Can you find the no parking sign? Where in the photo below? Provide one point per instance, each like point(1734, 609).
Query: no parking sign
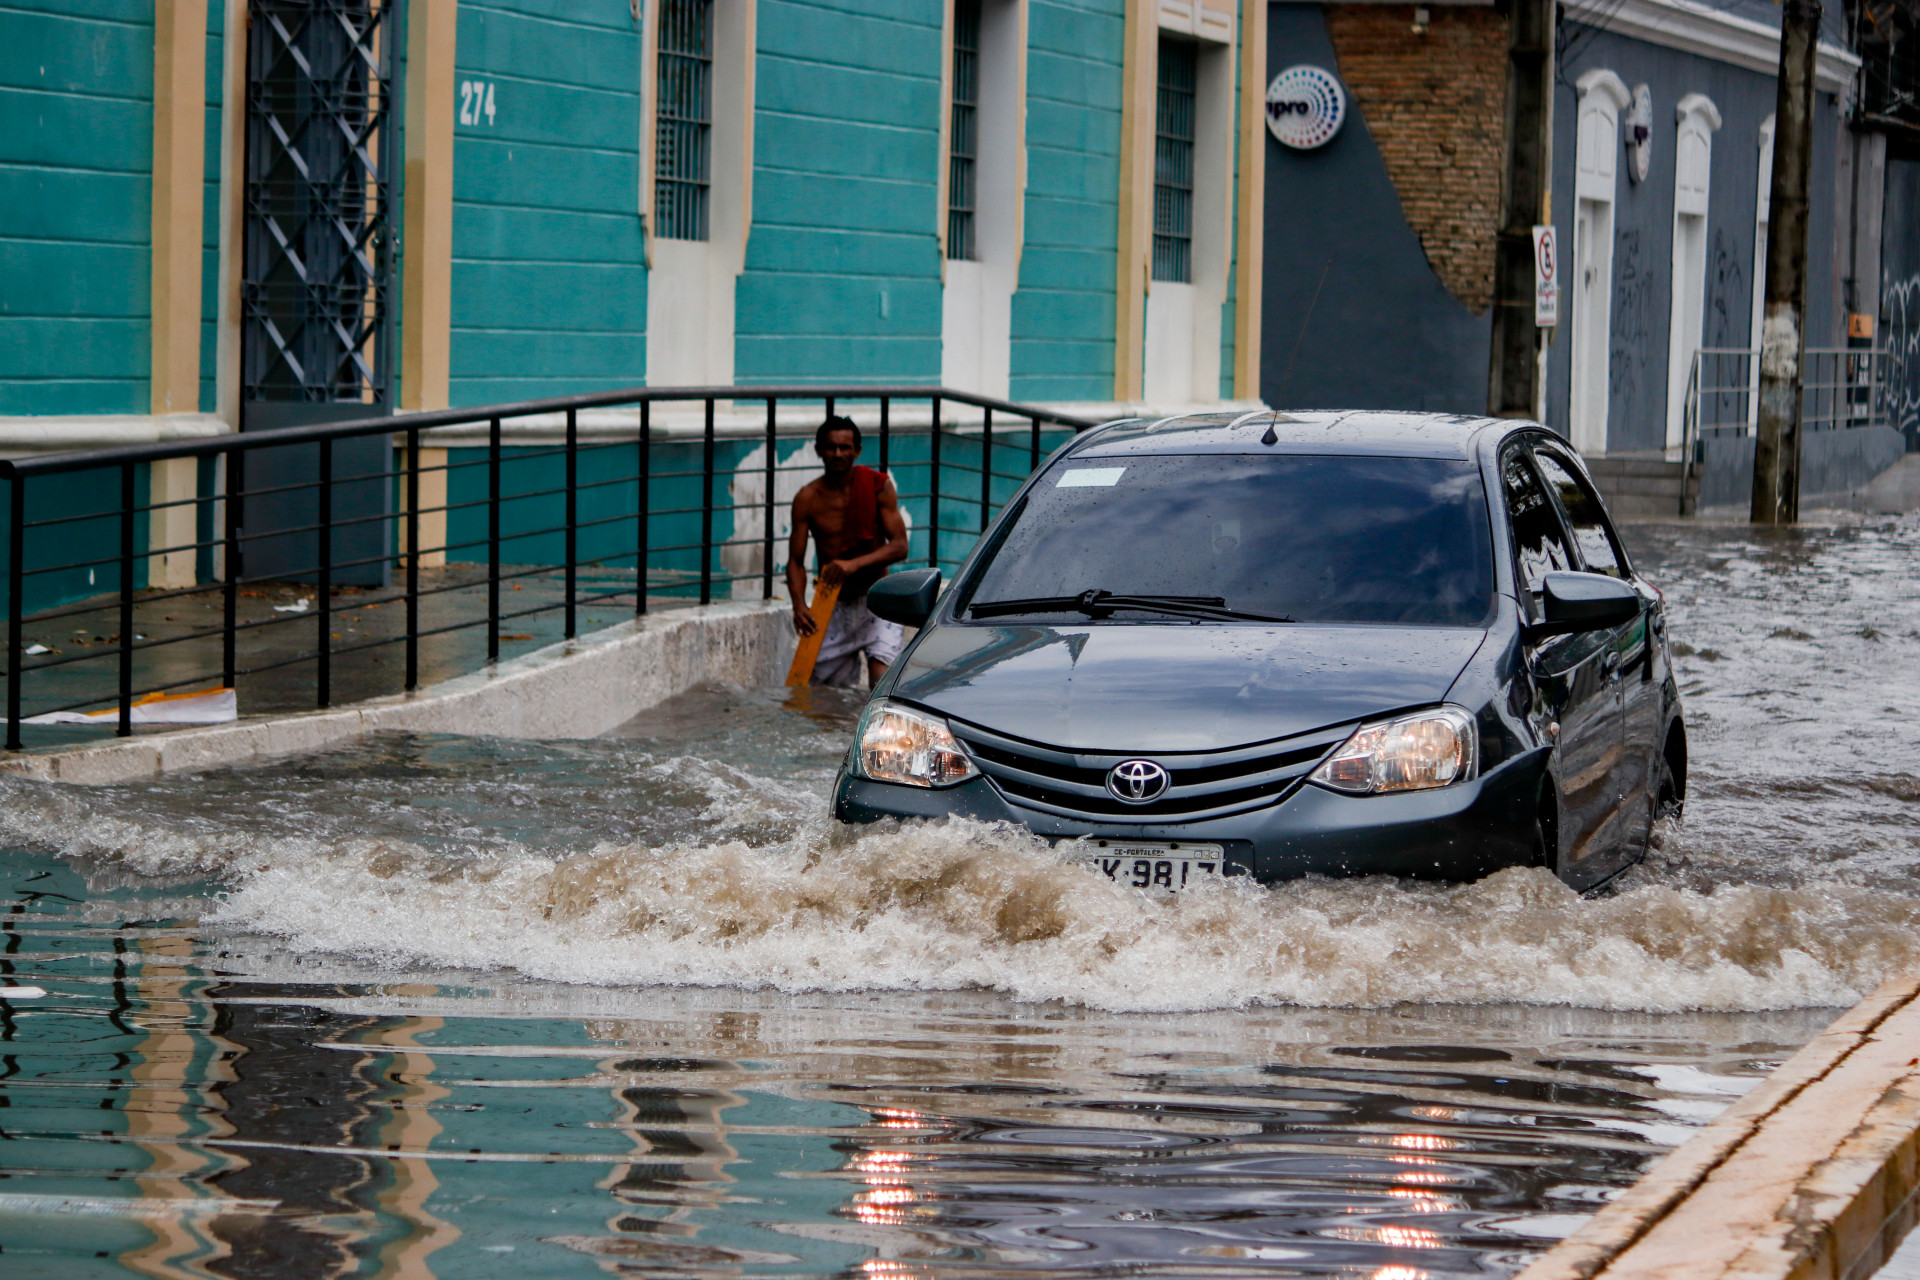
point(1546, 278)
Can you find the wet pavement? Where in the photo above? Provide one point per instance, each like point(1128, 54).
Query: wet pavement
point(179, 645)
point(470, 1007)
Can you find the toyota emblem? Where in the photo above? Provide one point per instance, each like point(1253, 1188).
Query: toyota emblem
point(1137, 781)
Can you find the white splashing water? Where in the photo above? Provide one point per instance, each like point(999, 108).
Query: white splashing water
point(1793, 885)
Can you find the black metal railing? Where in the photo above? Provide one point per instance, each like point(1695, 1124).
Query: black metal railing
point(663, 510)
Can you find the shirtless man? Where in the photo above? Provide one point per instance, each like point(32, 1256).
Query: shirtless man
point(853, 514)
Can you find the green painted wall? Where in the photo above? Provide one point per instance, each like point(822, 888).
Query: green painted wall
point(86, 544)
point(842, 279)
point(76, 147)
point(531, 527)
point(1063, 313)
point(549, 278)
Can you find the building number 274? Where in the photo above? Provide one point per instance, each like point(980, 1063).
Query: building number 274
point(476, 99)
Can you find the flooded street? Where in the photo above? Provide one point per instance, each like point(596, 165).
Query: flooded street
point(469, 1007)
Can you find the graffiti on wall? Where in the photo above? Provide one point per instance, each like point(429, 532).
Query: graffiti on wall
point(1727, 316)
point(1628, 384)
point(1900, 329)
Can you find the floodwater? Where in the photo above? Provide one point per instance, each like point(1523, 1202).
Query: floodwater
point(468, 1007)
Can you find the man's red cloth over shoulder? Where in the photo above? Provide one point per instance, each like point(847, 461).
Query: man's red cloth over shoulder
point(863, 509)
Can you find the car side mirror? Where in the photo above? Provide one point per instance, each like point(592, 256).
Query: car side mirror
point(906, 598)
point(1571, 602)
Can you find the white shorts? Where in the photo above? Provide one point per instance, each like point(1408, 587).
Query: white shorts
point(853, 632)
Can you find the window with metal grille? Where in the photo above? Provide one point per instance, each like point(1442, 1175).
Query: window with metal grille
point(963, 137)
point(1173, 164)
point(682, 170)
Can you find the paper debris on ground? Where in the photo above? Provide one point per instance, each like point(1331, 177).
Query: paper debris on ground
point(206, 706)
point(298, 606)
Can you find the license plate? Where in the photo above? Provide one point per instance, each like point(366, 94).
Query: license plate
point(1156, 864)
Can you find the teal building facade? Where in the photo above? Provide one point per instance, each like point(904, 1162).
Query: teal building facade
point(1050, 201)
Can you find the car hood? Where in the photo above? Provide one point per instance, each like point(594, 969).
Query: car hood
point(1151, 687)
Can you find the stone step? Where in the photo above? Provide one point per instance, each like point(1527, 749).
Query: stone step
point(1631, 467)
point(1644, 488)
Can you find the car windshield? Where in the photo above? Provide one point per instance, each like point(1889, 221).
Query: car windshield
point(1304, 538)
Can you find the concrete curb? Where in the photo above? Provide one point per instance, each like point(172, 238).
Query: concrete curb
point(1813, 1174)
point(575, 689)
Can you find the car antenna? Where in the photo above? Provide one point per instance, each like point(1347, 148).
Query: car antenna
point(1271, 436)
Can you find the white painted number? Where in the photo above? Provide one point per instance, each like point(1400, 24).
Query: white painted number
point(476, 100)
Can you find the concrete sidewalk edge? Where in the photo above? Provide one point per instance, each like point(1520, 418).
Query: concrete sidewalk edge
point(577, 688)
point(1810, 1174)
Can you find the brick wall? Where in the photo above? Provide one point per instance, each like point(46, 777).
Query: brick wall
point(1436, 106)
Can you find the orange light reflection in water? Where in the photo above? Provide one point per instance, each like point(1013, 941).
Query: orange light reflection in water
point(883, 1168)
point(1422, 1142)
point(885, 1206)
point(1398, 1236)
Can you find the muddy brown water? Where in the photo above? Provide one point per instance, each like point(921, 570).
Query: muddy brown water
point(464, 1007)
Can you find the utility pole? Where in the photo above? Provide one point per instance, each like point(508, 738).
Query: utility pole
point(1776, 449)
point(1513, 378)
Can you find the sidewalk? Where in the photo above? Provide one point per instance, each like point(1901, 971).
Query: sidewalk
point(284, 682)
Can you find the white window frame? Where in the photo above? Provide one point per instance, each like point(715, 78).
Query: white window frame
point(1696, 121)
point(1183, 321)
point(1603, 95)
point(690, 283)
point(976, 321)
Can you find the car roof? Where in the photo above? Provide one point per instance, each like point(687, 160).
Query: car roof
point(1337, 431)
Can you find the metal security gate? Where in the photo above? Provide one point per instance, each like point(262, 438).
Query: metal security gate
point(317, 282)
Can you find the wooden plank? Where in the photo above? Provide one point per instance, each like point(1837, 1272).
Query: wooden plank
point(824, 598)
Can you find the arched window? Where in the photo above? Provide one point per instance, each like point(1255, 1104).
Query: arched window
point(1698, 119)
point(1603, 96)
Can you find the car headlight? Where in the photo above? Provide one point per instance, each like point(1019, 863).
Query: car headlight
point(898, 745)
point(1413, 753)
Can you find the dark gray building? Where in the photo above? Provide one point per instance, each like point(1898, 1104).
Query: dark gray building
point(1379, 242)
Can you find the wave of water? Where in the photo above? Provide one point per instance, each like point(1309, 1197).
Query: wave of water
point(695, 852)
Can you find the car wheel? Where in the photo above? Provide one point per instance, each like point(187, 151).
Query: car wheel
point(1668, 801)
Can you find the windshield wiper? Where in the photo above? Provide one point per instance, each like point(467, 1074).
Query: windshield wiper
point(1100, 604)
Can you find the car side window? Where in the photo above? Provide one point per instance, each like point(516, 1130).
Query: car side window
point(1585, 516)
point(1539, 543)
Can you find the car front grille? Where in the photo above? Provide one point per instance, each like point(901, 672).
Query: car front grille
point(1204, 784)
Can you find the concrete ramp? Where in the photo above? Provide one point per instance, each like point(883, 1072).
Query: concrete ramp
point(1896, 490)
point(575, 689)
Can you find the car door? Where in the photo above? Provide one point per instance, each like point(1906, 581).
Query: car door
point(1628, 665)
point(1569, 676)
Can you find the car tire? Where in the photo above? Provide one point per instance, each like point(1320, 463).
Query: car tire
point(1667, 800)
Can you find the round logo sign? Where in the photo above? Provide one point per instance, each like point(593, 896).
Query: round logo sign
point(1137, 781)
point(1305, 107)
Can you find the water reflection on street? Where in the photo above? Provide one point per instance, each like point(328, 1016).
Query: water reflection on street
point(407, 1008)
